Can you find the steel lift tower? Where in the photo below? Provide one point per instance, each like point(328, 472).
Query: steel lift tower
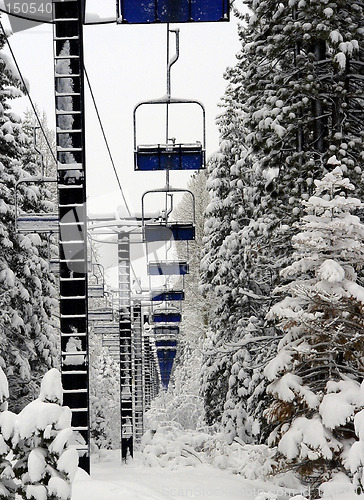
point(70, 130)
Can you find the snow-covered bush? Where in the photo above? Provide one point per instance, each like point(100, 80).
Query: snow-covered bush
point(178, 406)
point(316, 378)
point(168, 445)
point(355, 457)
point(41, 463)
point(7, 484)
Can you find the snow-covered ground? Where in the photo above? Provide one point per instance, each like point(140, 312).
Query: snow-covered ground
point(112, 481)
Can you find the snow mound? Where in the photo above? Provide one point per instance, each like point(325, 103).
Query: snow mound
point(171, 447)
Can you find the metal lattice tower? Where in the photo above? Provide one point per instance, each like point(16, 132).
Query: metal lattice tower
point(147, 373)
point(138, 372)
point(69, 88)
point(125, 319)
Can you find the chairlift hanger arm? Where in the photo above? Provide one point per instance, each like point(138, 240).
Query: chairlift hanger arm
point(165, 99)
point(167, 190)
point(35, 128)
point(170, 62)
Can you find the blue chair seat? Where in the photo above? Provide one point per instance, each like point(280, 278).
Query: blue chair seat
point(167, 232)
point(169, 295)
point(167, 268)
point(167, 317)
point(173, 11)
point(169, 157)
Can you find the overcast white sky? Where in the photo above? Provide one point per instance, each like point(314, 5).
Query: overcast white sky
point(126, 65)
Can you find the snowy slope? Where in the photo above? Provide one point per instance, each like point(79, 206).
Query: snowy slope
point(112, 481)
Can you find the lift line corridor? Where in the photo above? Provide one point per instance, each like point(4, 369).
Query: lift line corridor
point(142, 333)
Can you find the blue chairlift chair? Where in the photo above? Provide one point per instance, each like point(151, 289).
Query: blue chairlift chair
point(166, 358)
point(170, 231)
point(165, 230)
point(167, 154)
point(165, 330)
point(172, 11)
point(166, 343)
point(168, 268)
point(167, 316)
point(167, 295)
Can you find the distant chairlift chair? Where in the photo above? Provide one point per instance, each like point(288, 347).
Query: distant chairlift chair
point(97, 290)
point(167, 295)
point(167, 315)
point(32, 222)
point(166, 230)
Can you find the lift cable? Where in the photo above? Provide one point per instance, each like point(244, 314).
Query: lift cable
point(28, 95)
point(46, 138)
point(111, 158)
point(106, 141)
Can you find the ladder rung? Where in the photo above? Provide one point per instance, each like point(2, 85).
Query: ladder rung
point(65, 38)
point(73, 316)
point(72, 297)
point(69, 166)
point(67, 131)
point(60, 112)
point(73, 279)
point(68, 150)
point(68, 75)
point(74, 391)
point(76, 372)
point(67, 57)
point(66, 19)
point(74, 353)
point(68, 186)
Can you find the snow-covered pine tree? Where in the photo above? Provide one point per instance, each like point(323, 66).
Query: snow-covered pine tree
point(104, 397)
point(27, 290)
point(7, 484)
point(316, 377)
point(218, 275)
point(42, 141)
point(104, 377)
point(43, 462)
point(294, 98)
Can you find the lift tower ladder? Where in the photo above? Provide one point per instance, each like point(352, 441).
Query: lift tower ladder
point(125, 319)
point(138, 372)
point(70, 131)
